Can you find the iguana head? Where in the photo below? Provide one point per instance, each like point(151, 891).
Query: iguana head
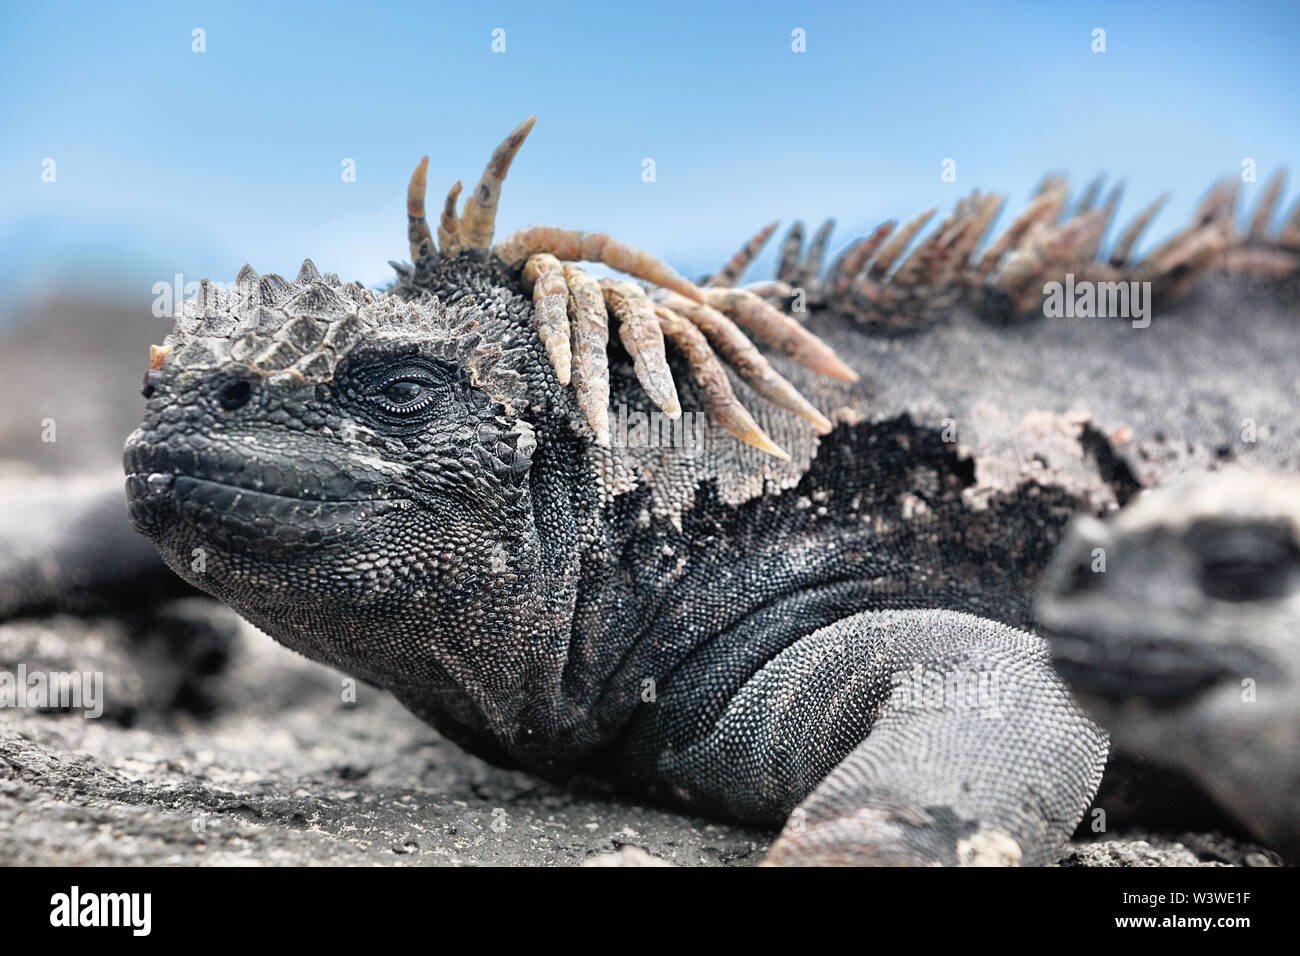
point(1177, 624)
point(353, 470)
point(348, 469)
point(1188, 587)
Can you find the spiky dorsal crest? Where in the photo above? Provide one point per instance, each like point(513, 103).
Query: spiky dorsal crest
point(472, 229)
point(297, 332)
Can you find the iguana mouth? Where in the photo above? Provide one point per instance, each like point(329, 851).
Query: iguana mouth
point(233, 499)
point(162, 504)
point(1158, 672)
point(158, 483)
point(216, 470)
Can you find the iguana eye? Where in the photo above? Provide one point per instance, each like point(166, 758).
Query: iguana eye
point(1245, 561)
point(403, 392)
point(406, 394)
point(400, 392)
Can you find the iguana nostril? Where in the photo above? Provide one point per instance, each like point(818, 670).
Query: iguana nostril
point(235, 395)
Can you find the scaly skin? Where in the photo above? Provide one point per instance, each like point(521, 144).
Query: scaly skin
point(400, 486)
point(512, 584)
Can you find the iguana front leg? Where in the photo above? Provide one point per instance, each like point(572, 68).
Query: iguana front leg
point(976, 754)
point(901, 737)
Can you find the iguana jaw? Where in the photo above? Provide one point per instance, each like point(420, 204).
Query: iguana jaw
point(226, 514)
point(246, 484)
point(397, 591)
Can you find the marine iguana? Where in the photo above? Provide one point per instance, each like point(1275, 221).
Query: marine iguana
point(832, 628)
point(1177, 622)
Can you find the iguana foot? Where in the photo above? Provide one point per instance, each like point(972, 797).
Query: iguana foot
point(891, 836)
point(899, 737)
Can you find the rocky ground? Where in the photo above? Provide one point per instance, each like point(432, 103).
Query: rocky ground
point(263, 762)
point(266, 764)
point(218, 747)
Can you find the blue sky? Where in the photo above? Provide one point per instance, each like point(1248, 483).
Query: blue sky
point(173, 161)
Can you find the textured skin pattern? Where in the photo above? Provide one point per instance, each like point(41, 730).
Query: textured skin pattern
point(701, 627)
point(836, 714)
point(925, 783)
